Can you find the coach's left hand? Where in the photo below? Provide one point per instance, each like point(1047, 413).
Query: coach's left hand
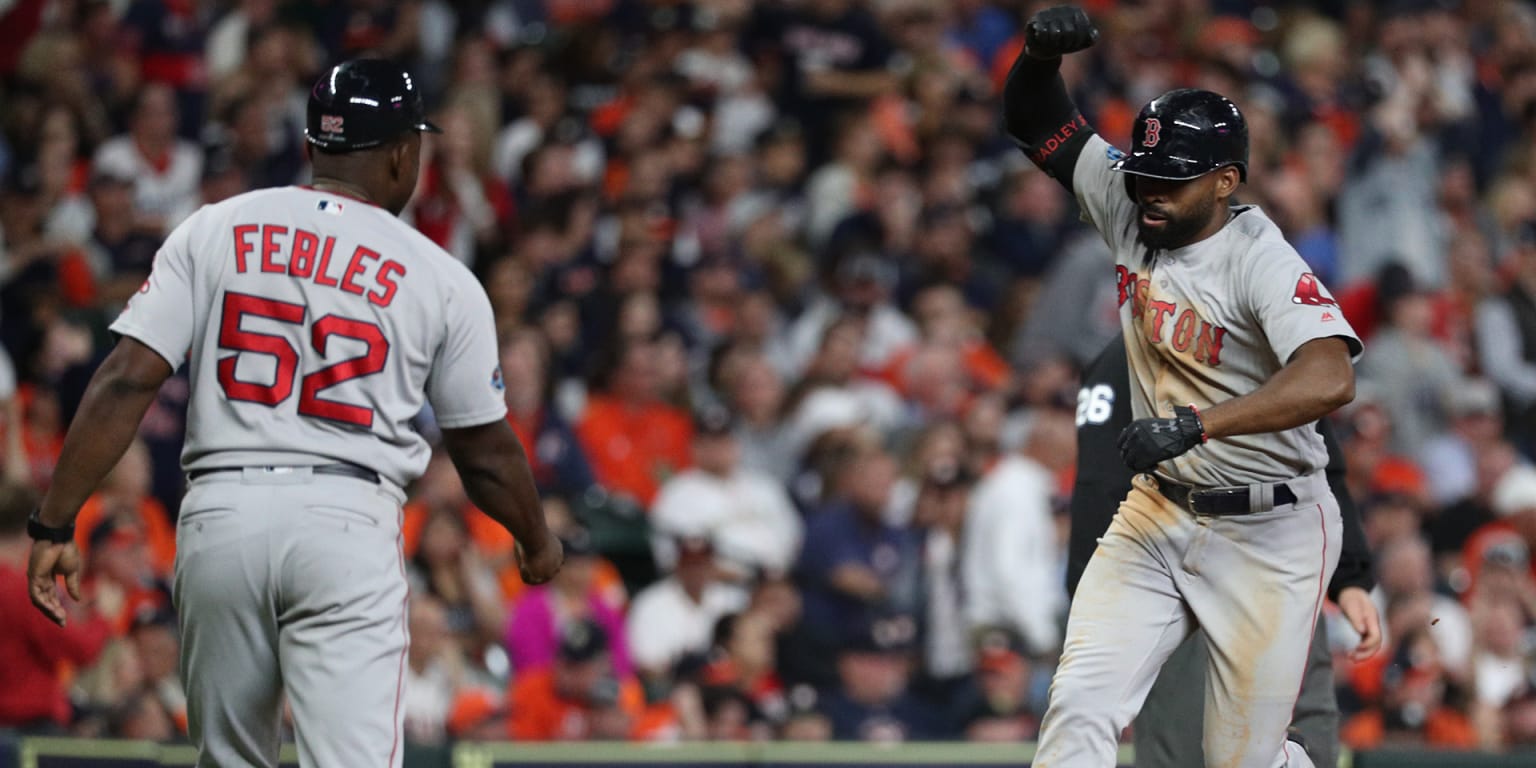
point(1147, 442)
point(1360, 610)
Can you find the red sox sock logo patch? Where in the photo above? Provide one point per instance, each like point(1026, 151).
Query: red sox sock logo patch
point(1310, 292)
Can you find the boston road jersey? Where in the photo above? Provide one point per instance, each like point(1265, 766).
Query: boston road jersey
point(1210, 322)
point(314, 328)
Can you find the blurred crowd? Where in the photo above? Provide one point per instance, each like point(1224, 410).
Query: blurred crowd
point(791, 332)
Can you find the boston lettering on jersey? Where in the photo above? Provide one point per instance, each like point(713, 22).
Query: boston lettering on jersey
point(1186, 332)
point(309, 257)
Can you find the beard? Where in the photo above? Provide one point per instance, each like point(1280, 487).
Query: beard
point(1175, 231)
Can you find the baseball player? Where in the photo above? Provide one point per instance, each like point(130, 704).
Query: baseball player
point(315, 326)
point(1235, 350)
point(1162, 733)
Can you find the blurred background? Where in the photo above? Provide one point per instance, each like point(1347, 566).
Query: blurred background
point(791, 332)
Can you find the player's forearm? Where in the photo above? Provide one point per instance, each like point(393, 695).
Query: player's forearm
point(1354, 569)
point(497, 479)
point(1039, 115)
point(1318, 380)
point(108, 418)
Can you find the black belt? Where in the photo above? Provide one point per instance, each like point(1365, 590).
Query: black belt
point(339, 470)
point(1220, 502)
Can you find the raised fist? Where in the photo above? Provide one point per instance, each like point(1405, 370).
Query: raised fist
point(1058, 31)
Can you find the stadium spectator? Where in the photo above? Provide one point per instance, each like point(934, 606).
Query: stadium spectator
point(577, 698)
point(676, 615)
point(1003, 705)
point(1011, 557)
point(754, 390)
point(634, 439)
point(579, 593)
point(165, 168)
point(939, 514)
point(1409, 370)
point(871, 701)
point(559, 464)
point(855, 565)
point(32, 693)
point(449, 567)
point(747, 514)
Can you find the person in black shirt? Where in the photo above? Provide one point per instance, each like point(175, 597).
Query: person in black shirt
point(1163, 734)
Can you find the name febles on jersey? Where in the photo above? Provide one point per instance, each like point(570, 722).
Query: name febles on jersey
point(315, 329)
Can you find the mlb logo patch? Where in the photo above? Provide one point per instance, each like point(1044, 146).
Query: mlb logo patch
point(330, 206)
point(330, 123)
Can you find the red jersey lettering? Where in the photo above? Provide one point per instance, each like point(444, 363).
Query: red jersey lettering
point(1208, 346)
point(385, 294)
point(356, 267)
point(321, 270)
point(243, 247)
point(302, 263)
point(269, 248)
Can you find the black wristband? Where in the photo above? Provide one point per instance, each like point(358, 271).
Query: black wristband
point(40, 532)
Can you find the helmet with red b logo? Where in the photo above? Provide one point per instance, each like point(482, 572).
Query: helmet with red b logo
point(1187, 133)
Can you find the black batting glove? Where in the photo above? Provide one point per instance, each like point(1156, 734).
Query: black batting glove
point(1058, 31)
point(1147, 442)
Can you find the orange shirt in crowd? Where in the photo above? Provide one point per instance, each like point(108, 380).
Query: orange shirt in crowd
point(539, 714)
point(489, 537)
point(985, 369)
point(151, 519)
point(635, 448)
point(118, 606)
point(1444, 728)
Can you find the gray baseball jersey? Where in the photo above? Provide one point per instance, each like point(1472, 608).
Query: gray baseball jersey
point(314, 328)
point(1209, 322)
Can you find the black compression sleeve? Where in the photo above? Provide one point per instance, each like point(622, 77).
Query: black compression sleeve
point(1040, 116)
point(1354, 569)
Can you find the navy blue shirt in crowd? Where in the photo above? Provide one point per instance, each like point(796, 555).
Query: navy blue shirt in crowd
point(837, 536)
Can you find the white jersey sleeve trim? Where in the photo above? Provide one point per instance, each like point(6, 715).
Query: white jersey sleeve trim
point(147, 338)
point(474, 419)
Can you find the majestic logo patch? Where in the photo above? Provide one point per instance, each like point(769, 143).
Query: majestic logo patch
point(1310, 292)
point(330, 123)
point(497, 383)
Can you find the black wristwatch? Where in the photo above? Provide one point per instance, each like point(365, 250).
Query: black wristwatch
point(40, 532)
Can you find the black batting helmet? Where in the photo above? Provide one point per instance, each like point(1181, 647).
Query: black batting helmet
point(363, 103)
point(1187, 133)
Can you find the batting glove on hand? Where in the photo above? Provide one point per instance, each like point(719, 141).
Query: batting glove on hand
point(1147, 442)
point(1058, 31)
